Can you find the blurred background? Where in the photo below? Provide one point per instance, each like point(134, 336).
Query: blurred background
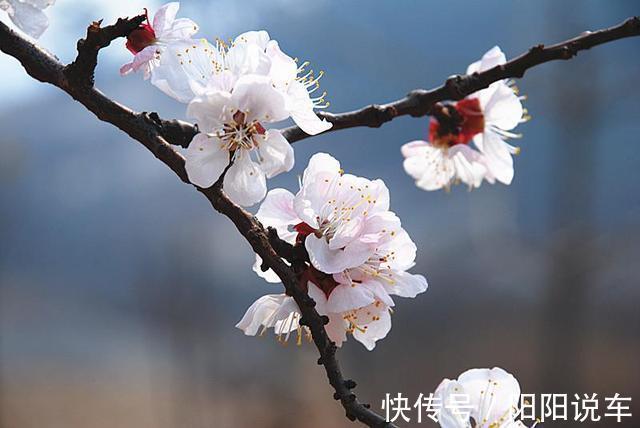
point(120, 288)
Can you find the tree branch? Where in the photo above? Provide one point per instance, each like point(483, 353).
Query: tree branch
point(156, 134)
point(420, 101)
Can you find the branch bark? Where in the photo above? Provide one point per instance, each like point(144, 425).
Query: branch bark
point(156, 135)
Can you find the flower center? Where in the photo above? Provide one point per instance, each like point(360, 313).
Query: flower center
point(457, 123)
point(141, 37)
point(240, 134)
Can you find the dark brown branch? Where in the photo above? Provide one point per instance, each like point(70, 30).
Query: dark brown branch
point(153, 133)
point(420, 101)
point(80, 71)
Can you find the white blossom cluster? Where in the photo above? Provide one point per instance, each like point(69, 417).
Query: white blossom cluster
point(358, 251)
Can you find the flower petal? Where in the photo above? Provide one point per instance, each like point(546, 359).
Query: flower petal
point(276, 154)
point(256, 96)
point(205, 160)
point(300, 107)
point(493, 57)
point(245, 183)
point(497, 157)
point(348, 297)
point(265, 311)
point(211, 110)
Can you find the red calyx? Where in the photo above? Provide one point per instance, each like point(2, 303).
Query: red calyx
point(466, 121)
point(141, 37)
point(323, 281)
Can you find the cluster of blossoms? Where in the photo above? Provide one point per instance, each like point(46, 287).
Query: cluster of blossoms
point(233, 91)
point(487, 118)
point(359, 255)
point(28, 15)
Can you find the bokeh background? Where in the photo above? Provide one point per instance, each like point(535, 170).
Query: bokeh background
point(120, 288)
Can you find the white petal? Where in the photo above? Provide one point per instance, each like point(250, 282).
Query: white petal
point(449, 394)
point(502, 388)
point(245, 183)
point(180, 29)
point(406, 284)
point(327, 260)
point(493, 57)
point(184, 72)
point(211, 110)
point(256, 96)
point(28, 18)
point(376, 329)
point(300, 107)
point(265, 311)
point(284, 69)
point(247, 58)
point(269, 275)
point(276, 154)
point(346, 297)
point(432, 170)
point(337, 329)
point(469, 164)
point(260, 38)
point(415, 148)
point(205, 160)
point(497, 157)
point(501, 107)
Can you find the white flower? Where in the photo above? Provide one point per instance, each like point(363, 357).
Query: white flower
point(189, 69)
point(280, 312)
point(435, 167)
point(493, 399)
point(232, 123)
point(485, 117)
point(358, 250)
point(28, 15)
point(148, 41)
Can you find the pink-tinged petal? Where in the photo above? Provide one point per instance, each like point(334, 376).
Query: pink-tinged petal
point(165, 16)
point(284, 69)
point(141, 59)
point(349, 297)
point(277, 209)
point(205, 160)
point(319, 297)
point(432, 171)
point(276, 154)
point(337, 329)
